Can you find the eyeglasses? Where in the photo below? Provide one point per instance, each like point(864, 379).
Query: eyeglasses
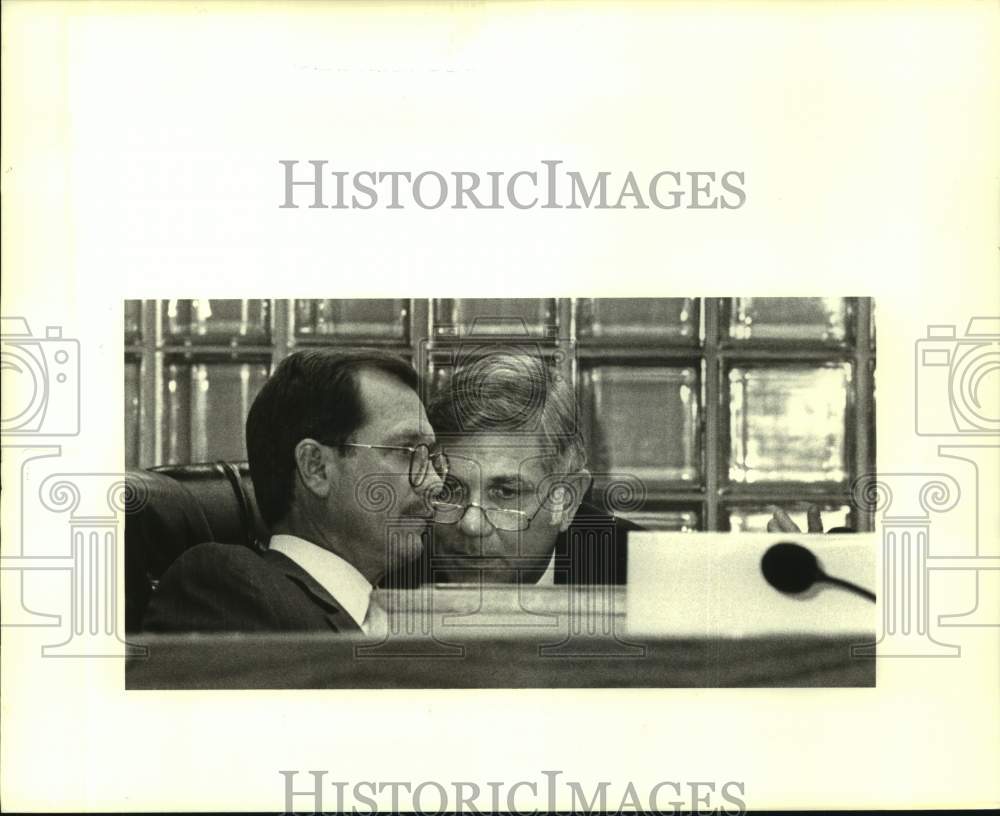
point(510, 521)
point(421, 460)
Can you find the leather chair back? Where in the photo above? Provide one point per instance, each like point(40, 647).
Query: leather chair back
point(181, 506)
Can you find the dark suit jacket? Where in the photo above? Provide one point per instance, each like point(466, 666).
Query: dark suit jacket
point(593, 549)
point(231, 588)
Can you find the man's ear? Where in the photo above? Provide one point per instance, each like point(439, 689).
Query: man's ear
point(314, 466)
point(566, 497)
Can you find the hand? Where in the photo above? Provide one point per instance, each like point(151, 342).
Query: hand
point(781, 522)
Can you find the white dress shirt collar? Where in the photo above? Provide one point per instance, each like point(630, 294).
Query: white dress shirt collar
point(347, 586)
point(548, 578)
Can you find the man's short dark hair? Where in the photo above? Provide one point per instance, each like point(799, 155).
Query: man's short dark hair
point(311, 394)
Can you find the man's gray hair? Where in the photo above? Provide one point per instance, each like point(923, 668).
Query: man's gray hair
point(511, 393)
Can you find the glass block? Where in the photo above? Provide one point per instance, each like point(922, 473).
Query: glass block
point(788, 423)
point(819, 319)
point(644, 422)
point(217, 321)
point(133, 385)
point(755, 519)
point(382, 319)
point(205, 408)
point(133, 321)
point(505, 316)
point(638, 319)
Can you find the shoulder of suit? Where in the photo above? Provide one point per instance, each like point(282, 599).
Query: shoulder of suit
point(213, 551)
point(226, 561)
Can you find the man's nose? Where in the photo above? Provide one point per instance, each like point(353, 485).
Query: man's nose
point(474, 522)
point(427, 490)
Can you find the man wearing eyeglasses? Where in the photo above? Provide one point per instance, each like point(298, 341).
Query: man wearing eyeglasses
point(511, 508)
point(340, 453)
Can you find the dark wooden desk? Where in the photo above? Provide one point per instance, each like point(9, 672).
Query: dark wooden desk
point(309, 661)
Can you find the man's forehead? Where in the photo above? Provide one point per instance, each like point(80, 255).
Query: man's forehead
point(495, 452)
point(390, 405)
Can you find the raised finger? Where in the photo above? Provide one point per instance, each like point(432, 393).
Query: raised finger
point(814, 519)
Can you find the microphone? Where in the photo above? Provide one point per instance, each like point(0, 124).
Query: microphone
point(791, 568)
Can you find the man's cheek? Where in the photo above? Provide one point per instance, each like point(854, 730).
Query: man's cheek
point(408, 547)
point(538, 542)
point(412, 502)
point(442, 539)
point(511, 545)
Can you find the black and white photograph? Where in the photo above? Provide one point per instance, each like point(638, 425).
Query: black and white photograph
point(486, 407)
point(560, 492)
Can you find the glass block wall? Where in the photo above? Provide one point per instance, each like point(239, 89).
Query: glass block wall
point(719, 407)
